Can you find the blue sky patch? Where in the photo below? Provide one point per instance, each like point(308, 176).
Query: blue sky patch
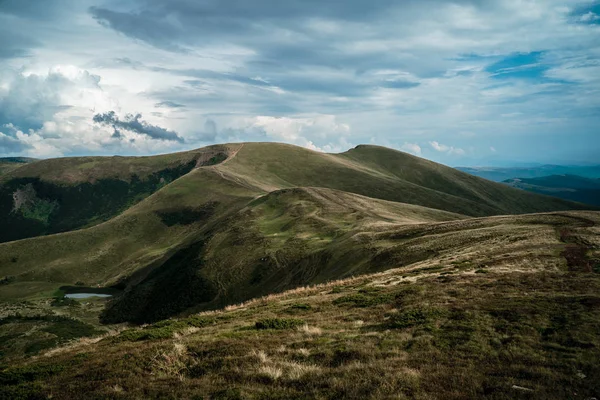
point(519, 66)
point(588, 14)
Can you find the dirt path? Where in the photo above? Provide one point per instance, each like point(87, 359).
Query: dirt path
point(232, 155)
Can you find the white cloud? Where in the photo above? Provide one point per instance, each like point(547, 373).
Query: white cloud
point(302, 131)
point(306, 77)
point(51, 115)
point(442, 148)
point(438, 147)
point(493, 149)
point(412, 148)
point(589, 17)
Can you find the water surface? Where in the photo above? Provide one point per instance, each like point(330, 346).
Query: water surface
point(86, 295)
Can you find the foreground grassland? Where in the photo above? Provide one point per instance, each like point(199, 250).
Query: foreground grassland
point(498, 308)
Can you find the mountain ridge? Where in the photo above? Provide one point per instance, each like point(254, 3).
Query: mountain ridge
point(207, 202)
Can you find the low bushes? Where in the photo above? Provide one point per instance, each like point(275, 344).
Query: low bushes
point(163, 329)
point(414, 317)
point(278, 323)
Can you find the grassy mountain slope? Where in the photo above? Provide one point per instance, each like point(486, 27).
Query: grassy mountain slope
point(144, 234)
point(568, 187)
point(501, 308)
point(243, 228)
point(385, 174)
point(60, 195)
point(282, 240)
point(8, 164)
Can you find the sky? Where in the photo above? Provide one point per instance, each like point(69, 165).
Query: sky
point(463, 82)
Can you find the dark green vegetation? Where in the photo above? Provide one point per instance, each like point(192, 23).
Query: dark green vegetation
point(278, 323)
point(178, 284)
point(568, 187)
point(32, 334)
point(434, 306)
point(33, 205)
point(527, 329)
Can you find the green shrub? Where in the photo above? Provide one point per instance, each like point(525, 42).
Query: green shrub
point(299, 307)
point(39, 210)
point(227, 394)
point(29, 373)
point(62, 328)
point(278, 323)
point(7, 279)
point(370, 290)
point(64, 302)
point(364, 300)
point(199, 322)
point(163, 329)
point(136, 335)
point(412, 318)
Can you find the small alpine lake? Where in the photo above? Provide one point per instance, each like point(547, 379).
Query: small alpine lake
point(86, 295)
point(82, 292)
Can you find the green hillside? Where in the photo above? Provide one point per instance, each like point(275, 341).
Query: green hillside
point(59, 195)
point(8, 164)
point(245, 221)
point(386, 174)
point(499, 308)
point(282, 240)
point(378, 274)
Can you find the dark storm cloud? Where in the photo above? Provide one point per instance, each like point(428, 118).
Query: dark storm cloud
point(167, 24)
point(288, 48)
point(134, 123)
point(145, 26)
point(173, 23)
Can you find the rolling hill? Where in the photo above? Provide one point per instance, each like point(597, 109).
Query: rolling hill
point(221, 203)
point(497, 307)
point(8, 164)
point(568, 187)
point(378, 274)
point(59, 195)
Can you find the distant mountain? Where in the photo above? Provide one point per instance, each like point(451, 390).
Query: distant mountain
point(499, 174)
point(568, 187)
point(8, 164)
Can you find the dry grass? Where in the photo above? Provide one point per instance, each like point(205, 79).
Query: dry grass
point(271, 371)
point(310, 330)
point(529, 321)
point(172, 362)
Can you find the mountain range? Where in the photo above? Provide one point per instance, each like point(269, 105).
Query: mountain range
point(499, 174)
point(568, 187)
point(371, 263)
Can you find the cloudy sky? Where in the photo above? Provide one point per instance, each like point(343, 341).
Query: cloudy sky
point(463, 82)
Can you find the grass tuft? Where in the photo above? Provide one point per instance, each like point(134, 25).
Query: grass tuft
point(278, 323)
